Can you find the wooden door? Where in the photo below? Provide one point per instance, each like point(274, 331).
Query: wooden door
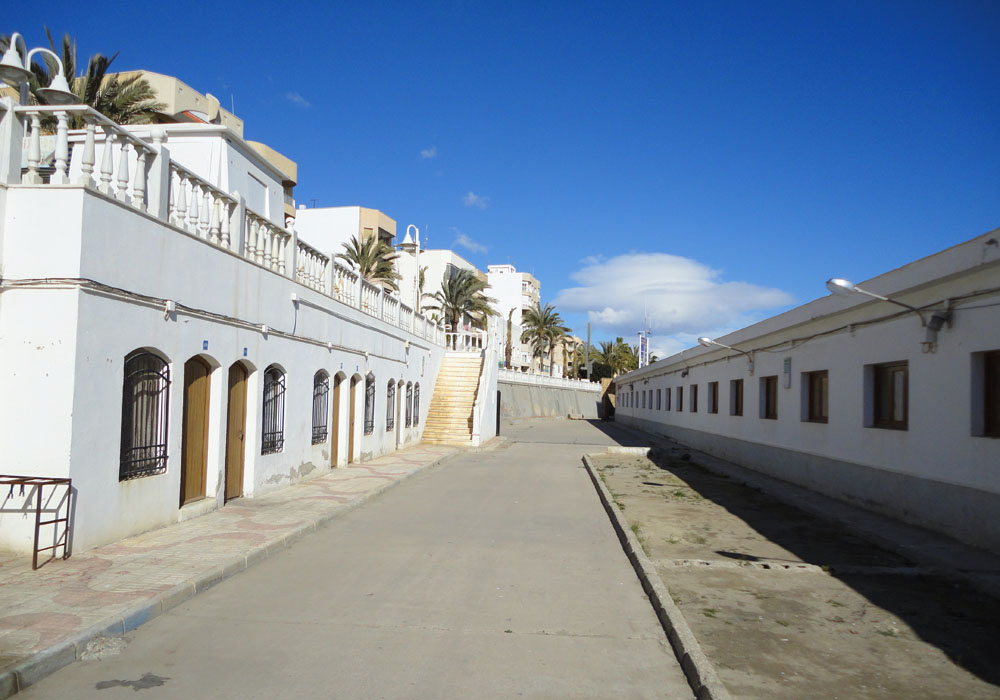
point(352, 418)
point(236, 425)
point(335, 423)
point(194, 435)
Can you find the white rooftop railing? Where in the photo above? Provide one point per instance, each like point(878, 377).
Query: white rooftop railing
point(514, 377)
point(108, 159)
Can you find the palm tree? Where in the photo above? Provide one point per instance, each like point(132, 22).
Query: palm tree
point(618, 357)
point(508, 350)
point(543, 327)
point(461, 295)
point(128, 100)
point(373, 260)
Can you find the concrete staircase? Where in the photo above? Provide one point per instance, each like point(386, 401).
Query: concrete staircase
point(449, 419)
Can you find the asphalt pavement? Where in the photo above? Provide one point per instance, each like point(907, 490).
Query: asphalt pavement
point(492, 574)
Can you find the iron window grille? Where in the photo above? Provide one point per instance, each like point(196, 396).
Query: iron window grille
point(416, 403)
point(321, 405)
point(145, 403)
point(390, 404)
point(409, 405)
point(369, 404)
point(273, 423)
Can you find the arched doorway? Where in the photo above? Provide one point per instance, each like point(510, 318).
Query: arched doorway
point(399, 412)
point(236, 428)
point(194, 436)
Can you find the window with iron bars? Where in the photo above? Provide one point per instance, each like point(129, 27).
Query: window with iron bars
point(145, 403)
point(321, 405)
point(369, 404)
point(273, 420)
point(390, 405)
point(416, 403)
point(409, 405)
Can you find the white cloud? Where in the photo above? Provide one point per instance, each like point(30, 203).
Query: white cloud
point(683, 299)
point(474, 200)
point(464, 241)
point(296, 98)
point(428, 153)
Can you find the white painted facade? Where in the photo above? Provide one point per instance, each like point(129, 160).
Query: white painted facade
point(939, 471)
point(126, 245)
point(329, 228)
point(514, 292)
point(438, 263)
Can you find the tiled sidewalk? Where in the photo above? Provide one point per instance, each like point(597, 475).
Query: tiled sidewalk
point(48, 616)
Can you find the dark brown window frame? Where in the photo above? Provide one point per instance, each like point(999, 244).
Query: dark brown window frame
point(736, 402)
point(666, 403)
point(769, 388)
point(818, 391)
point(694, 398)
point(713, 397)
point(886, 372)
point(991, 399)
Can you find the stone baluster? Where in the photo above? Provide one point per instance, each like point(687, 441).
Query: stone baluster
point(89, 156)
point(33, 177)
point(61, 175)
point(192, 221)
point(214, 224)
point(282, 248)
point(224, 239)
point(253, 240)
point(122, 194)
point(106, 161)
point(205, 221)
point(139, 183)
point(180, 210)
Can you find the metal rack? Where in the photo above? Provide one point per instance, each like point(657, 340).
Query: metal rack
point(38, 483)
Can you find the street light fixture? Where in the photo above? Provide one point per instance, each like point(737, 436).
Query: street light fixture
point(17, 73)
point(709, 343)
point(843, 288)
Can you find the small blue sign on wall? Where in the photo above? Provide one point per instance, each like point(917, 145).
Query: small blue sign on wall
point(244, 352)
point(204, 345)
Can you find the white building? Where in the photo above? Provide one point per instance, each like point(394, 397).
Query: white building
point(331, 228)
point(856, 397)
point(514, 292)
point(437, 264)
point(170, 343)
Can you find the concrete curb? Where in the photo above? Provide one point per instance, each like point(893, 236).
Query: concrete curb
point(697, 668)
point(49, 660)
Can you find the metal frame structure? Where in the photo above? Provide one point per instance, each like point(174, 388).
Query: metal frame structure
point(38, 483)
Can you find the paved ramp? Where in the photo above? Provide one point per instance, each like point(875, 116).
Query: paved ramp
point(493, 575)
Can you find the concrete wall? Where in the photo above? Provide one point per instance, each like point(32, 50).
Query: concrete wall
point(527, 400)
point(939, 472)
point(64, 342)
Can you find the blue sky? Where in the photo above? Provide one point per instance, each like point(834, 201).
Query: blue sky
point(713, 161)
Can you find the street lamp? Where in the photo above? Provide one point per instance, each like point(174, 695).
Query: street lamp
point(709, 343)
point(843, 288)
point(17, 73)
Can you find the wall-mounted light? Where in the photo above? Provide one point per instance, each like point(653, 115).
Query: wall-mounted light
point(709, 343)
point(938, 319)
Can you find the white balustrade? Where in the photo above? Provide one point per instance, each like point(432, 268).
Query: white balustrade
point(111, 160)
point(312, 265)
point(370, 298)
point(469, 340)
point(344, 281)
point(122, 173)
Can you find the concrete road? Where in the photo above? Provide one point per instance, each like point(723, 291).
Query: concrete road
point(493, 575)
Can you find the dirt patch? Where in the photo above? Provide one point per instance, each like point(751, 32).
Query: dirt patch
point(788, 605)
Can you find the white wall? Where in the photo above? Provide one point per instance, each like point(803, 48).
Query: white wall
point(328, 229)
point(935, 473)
point(67, 344)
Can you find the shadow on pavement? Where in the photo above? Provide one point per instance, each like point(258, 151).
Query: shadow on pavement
point(942, 611)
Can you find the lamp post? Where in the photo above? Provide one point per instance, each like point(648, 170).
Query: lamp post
point(843, 288)
point(16, 72)
point(708, 343)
